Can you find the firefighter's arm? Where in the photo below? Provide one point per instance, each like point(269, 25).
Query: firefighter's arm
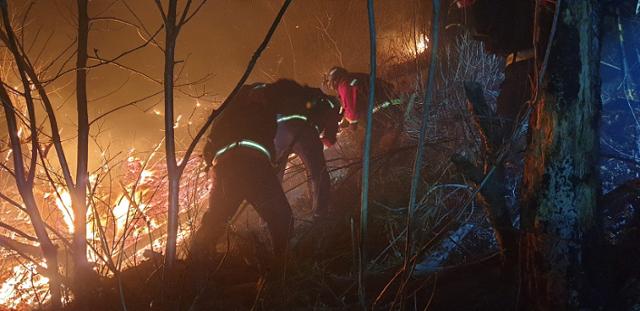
point(349, 96)
point(329, 135)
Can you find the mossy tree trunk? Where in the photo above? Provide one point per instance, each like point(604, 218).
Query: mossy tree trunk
point(560, 181)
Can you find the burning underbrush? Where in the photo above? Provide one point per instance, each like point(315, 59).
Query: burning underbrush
point(126, 220)
point(320, 270)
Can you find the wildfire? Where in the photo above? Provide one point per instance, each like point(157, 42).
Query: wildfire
point(25, 287)
point(129, 224)
point(177, 123)
point(63, 202)
point(145, 176)
point(422, 44)
point(123, 210)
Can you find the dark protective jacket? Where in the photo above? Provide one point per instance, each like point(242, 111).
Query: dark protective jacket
point(506, 27)
point(248, 117)
point(253, 115)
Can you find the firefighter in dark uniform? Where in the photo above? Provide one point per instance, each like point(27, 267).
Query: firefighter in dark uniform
point(353, 92)
point(240, 147)
point(306, 133)
point(507, 29)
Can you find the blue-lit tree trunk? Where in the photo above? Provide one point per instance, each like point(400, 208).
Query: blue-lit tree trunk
point(560, 182)
point(366, 156)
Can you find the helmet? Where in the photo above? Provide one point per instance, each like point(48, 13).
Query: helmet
point(334, 75)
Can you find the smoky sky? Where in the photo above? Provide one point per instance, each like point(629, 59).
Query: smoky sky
point(215, 46)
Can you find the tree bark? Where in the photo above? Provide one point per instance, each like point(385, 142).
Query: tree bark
point(171, 31)
point(25, 177)
point(560, 181)
point(366, 158)
point(79, 197)
point(25, 188)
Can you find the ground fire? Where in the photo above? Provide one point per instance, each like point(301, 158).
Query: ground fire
point(319, 155)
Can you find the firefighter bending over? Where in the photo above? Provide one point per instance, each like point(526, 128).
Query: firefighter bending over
point(507, 29)
point(353, 92)
point(240, 147)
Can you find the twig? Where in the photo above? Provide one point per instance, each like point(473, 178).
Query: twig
point(417, 168)
point(243, 79)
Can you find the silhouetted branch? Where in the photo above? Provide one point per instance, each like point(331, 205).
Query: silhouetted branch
point(243, 79)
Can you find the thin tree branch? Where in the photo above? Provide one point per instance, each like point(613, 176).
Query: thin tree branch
point(186, 20)
point(234, 92)
point(162, 14)
point(18, 231)
point(106, 61)
point(417, 168)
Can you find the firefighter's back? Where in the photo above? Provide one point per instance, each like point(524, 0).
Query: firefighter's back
point(248, 117)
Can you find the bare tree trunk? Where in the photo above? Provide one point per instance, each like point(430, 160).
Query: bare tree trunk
point(366, 158)
point(79, 197)
point(560, 181)
point(25, 188)
point(171, 33)
point(25, 178)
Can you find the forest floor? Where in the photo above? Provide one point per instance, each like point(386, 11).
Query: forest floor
point(238, 285)
point(321, 268)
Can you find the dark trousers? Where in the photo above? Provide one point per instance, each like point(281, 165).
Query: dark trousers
point(245, 174)
point(301, 138)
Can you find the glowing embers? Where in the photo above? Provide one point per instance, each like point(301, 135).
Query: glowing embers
point(422, 44)
point(24, 287)
point(63, 203)
point(126, 216)
point(122, 211)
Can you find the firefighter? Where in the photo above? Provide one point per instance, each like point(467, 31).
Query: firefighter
point(240, 148)
point(353, 92)
point(305, 133)
point(506, 29)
